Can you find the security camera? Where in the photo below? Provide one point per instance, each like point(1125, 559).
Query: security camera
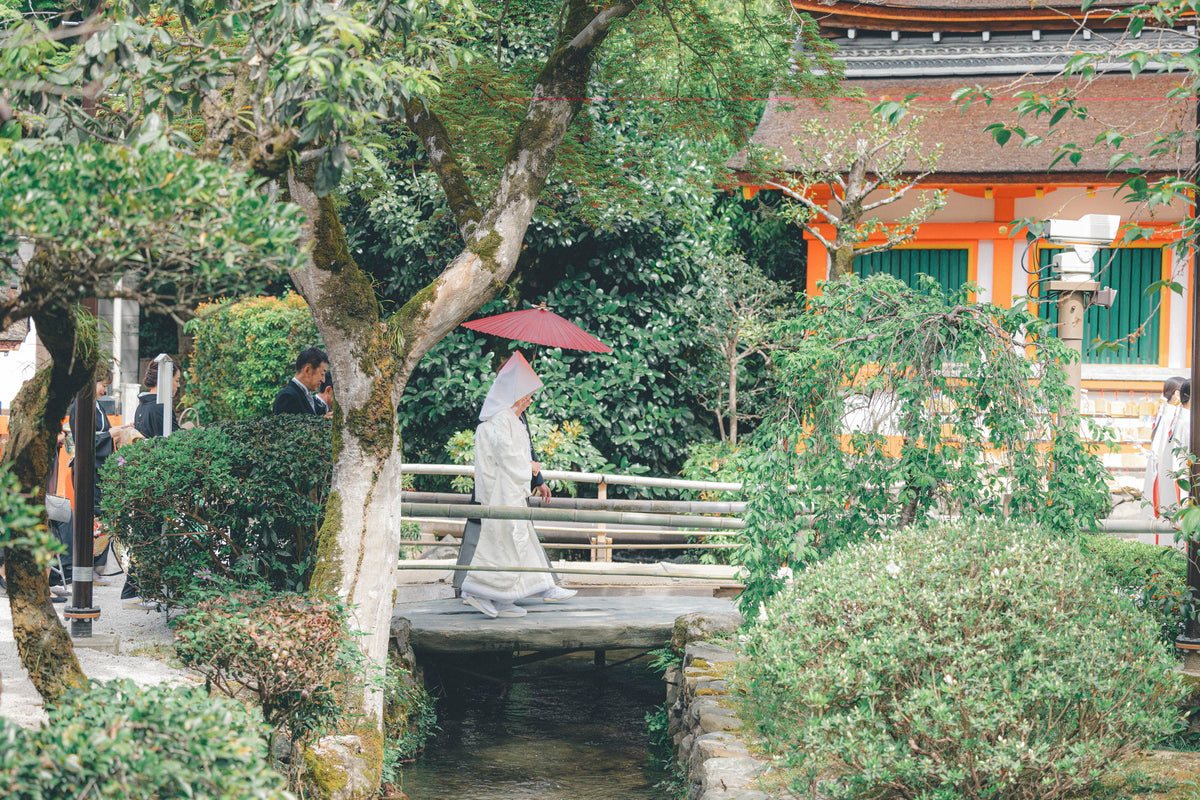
point(1084, 237)
point(1093, 229)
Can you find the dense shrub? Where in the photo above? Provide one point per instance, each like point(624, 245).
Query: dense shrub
point(242, 500)
point(960, 661)
point(631, 282)
point(121, 742)
point(243, 353)
point(1154, 576)
point(283, 649)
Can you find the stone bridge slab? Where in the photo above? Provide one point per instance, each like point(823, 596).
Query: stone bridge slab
point(581, 623)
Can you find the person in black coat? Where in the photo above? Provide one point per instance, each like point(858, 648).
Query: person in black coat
point(149, 415)
point(297, 396)
point(324, 397)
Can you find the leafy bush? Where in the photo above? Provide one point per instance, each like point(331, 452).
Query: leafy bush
point(713, 461)
point(978, 660)
point(410, 720)
point(242, 500)
point(21, 525)
point(243, 353)
point(122, 742)
point(896, 406)
point(285, 649)
point(1154, 577)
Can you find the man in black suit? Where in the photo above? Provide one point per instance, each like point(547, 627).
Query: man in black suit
point(297, 396)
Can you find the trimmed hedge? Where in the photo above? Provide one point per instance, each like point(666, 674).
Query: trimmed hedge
point(242, 501)
point(958, 661)
point(243, 353)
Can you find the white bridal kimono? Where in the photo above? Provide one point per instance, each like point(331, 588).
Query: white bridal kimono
point(502, 475)
point(1159, 460)
point(1169, 446)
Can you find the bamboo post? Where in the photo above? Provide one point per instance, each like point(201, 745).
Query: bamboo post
point(602, 553)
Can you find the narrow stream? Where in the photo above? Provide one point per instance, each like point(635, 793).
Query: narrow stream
point(563, 731)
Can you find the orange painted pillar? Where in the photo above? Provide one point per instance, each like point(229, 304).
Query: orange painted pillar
point(818, 266)
point(1002, 254)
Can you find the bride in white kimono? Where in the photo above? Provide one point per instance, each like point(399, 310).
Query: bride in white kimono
point(502, 473)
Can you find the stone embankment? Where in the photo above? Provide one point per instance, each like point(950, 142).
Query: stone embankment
point(707, 732)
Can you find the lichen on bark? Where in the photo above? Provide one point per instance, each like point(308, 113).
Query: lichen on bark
point(327, 573)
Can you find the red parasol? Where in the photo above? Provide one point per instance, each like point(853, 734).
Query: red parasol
point(539, 326)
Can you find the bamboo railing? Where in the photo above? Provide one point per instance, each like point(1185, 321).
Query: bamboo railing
point(587, 523)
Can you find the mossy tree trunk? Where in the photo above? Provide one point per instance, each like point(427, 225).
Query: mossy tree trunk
point(374, 357)
point(42, 641)
point(359, 542)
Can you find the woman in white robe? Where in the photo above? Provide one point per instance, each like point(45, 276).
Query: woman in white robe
point(1169, 455)
point(502, 474)
point(1160, 461)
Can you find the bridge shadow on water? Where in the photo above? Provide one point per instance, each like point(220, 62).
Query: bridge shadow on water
point(558, 729)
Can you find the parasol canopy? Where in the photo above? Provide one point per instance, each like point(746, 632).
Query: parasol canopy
point(539, 326)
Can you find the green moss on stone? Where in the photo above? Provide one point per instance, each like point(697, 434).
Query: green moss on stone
point(372, 744)
point(323, 771)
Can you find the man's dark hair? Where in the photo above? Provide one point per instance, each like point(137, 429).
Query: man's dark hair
point(1185, 392)
point(312, 357)
point(328, 382)
point(1171, 386)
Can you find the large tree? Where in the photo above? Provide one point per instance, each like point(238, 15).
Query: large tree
point(289, 91)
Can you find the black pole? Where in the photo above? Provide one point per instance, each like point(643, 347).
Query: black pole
point(80, 612)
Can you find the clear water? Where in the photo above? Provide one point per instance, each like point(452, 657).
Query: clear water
point(563, 730)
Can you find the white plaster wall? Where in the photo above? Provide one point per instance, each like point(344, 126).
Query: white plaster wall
point(16, 367)
point(1178, 305)
point(985, 271)
point(1073, 202)
point(958, 208)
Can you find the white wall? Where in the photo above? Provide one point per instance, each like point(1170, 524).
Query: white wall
point(16, 367)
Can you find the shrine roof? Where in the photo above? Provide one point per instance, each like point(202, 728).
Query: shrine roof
point(1137, 108)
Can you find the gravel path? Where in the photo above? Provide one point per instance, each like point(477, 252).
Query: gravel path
point(145, 646)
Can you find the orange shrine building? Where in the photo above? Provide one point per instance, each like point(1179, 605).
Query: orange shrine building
point(891, 49)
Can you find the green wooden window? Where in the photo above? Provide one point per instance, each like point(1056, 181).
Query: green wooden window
point(1130, 271)
point(947, 266)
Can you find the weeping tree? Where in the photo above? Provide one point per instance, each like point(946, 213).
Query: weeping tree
point(141, 222)
point(296, 93)
point(899, 405)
